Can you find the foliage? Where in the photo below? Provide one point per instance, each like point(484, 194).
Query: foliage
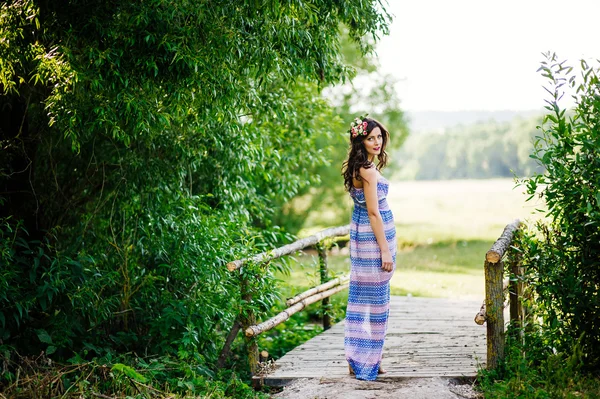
point(286, 336)
point(558, 355)
point(538, 364)
point(48, 277)
point(122, 376)
point(565, 259)
point(301, 326)
point(144, 146)
point(530, 371)
point(482, 150)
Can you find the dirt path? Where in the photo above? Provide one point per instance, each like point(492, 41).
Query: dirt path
point(351, 388)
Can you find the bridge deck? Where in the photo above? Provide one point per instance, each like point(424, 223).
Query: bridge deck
point(427, 337)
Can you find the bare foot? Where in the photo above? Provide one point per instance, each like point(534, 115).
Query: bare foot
point(350, 370)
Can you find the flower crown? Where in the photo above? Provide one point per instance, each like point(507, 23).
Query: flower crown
point(358, 127)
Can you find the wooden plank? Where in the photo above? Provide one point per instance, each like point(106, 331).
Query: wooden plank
point(427, 337)
point(425, 349)
point(441, 357)
point(457, 348)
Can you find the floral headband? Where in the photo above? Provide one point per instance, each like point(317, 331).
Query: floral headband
point(358, 127)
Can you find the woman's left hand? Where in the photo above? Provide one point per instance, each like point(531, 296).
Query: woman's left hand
point(387, 263)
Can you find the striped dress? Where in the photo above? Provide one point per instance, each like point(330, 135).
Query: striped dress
point(369, 293)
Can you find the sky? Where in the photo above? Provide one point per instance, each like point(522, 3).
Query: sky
point(483, 55)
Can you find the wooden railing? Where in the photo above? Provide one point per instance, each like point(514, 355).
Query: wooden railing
point(492, 310)
point(247, 319)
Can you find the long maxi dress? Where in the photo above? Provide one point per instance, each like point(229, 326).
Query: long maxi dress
point(369, 293)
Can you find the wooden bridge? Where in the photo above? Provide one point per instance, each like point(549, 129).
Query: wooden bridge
point(427, 337)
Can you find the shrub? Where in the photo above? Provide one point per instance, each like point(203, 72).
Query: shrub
point(563, 255)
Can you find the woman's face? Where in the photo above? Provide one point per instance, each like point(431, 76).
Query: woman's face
point(374, 142)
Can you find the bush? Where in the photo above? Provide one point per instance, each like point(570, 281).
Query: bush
point(531, 371)
point(563, 255)
point(153, 156)
point(117, 376)
point(25, 308)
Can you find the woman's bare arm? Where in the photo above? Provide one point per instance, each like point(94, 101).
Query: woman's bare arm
point(369, 178)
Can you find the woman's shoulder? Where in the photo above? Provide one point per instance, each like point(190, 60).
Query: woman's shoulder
point(371, 173)
point(368, 171)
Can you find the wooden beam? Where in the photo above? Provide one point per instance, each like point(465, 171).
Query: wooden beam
point(503, 243)
point(317, 289)
point(291, 248)
point(283, 316)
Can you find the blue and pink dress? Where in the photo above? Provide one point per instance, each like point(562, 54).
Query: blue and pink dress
point(369, 293)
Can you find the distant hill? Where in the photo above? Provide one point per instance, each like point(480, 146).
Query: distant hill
point(440, 121)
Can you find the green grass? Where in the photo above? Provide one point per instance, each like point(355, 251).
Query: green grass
point(431, 211)
point(444, 229)
point(442, 269)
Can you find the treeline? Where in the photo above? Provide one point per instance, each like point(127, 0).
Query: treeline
point(482, 150)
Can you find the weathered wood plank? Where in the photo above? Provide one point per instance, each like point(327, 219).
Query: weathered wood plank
point(393, 356)
point(427, 337)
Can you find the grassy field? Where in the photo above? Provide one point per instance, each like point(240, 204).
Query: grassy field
point(444, 230)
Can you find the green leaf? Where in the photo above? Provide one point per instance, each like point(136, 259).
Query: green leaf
point(129, 372)
point(44, 336)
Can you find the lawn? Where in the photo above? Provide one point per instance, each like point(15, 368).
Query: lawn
point(444, 229)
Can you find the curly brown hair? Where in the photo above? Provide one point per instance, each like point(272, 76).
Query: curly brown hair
point(358, 157)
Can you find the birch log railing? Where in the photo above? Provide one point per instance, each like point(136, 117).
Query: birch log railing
point(247, 322)
point(492, 309)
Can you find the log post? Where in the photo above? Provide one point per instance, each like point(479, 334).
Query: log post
point(494, 303)
point(516, 294)
point(248, 318)
point(517, 314)
point(480, 317)
point(322, 250)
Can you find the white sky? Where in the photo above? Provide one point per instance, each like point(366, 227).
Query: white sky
point(483, 55)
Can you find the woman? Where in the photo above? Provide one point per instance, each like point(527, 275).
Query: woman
point(372, 249)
